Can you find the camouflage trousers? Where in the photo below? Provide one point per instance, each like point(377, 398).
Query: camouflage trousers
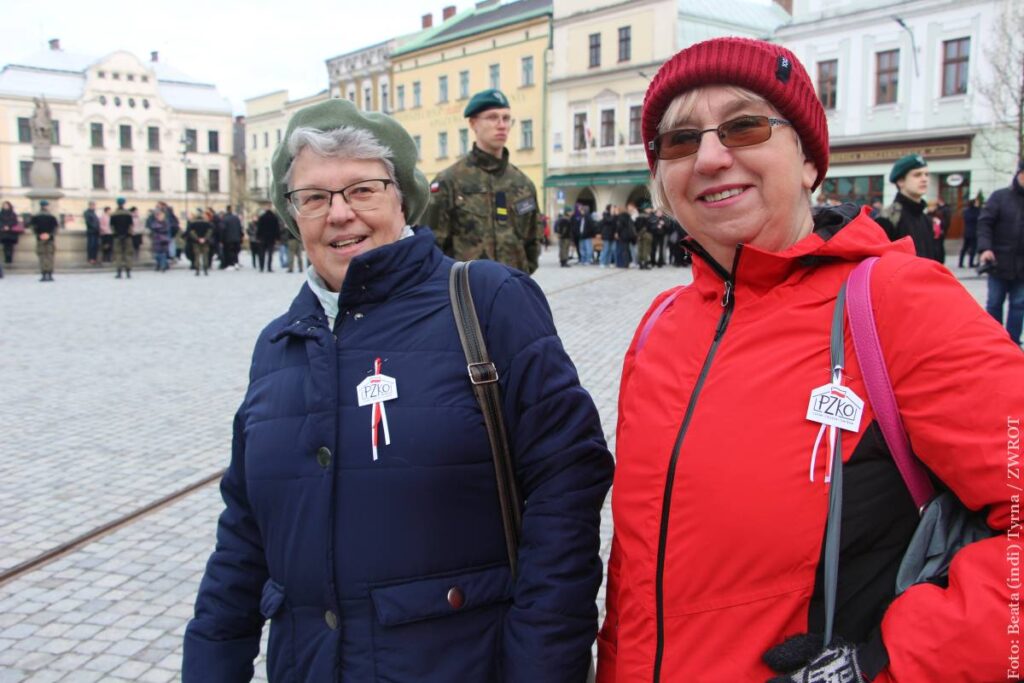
point(201, 256)
point(123, 252)
point(294, 255)
point(644, 244)
point(45, 251)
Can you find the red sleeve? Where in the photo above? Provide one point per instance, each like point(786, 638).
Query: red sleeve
point(959, 383)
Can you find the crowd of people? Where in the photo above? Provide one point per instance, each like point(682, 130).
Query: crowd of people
point(620, 237)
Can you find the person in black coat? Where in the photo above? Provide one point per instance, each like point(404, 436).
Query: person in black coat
point(231, 233)
point(1001, 243)
point(8, 230)
point(906, 216)
point(199, 236)
point(268, 231)
point(626, 228)
point(970, 246)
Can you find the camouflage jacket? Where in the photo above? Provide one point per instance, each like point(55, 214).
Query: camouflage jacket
point(484, 207)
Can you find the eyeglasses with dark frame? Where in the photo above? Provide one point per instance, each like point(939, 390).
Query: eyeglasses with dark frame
point(742, 131)
point(495, 119)
point(315, 202)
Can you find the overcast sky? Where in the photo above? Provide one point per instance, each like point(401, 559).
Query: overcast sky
point(244, 48)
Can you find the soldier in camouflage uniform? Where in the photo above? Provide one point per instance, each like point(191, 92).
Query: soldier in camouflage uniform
point(482, 206)
point(123, 226)
point(44, 225)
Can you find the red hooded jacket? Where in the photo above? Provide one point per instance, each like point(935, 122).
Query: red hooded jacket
point(720, 509)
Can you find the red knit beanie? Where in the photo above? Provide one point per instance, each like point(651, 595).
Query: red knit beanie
point(767, 69)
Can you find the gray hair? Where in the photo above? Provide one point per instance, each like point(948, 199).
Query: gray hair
point(345, 142)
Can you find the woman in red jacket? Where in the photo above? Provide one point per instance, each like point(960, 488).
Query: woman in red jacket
point(721, 491)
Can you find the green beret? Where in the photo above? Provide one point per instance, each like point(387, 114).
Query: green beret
point(335, 113)
point(905, 166)
point(487, 99)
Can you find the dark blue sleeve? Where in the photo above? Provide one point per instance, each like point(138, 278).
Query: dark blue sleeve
point(223, 638)
point(564, 471)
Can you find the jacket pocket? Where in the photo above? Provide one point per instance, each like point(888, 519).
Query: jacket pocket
point(443, 628)
point(280, 645)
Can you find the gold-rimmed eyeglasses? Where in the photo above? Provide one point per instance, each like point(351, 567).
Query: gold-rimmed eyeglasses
point(495, 119)
point(739, 132)
point(314, 202)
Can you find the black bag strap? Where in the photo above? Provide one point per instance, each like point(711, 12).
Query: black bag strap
point(483, 376)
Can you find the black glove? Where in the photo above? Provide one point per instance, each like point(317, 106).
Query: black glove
point(803, 660)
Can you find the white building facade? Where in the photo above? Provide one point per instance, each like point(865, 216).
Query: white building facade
point(363, 76)
point(122, 128)
point(904, 77)
point(604, 54)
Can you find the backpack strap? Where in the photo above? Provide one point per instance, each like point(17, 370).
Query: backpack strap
point(483, 376)
point(876, 379)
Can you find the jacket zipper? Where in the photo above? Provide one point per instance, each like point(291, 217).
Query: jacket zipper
point(727, 303)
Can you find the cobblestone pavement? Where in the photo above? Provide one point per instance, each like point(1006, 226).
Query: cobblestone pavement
point(117, 393)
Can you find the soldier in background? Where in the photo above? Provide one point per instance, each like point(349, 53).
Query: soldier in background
point(122, 226)
point(44, 225)
point(200, 236)
point(482, 206)
point(563, 228)
point(906, 215)
point(294, 245)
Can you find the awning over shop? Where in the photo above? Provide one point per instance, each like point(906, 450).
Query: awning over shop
point(639, 177)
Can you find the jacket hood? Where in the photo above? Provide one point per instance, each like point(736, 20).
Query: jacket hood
point(843, 233)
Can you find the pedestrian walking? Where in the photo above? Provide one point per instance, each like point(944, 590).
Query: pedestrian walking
point(970, 245)
point(644, 239)
point(231, 232)
point(482, 206)
point(311, 492)
point(1001, 243)
point(199, 236)
point(584, 226)
point(255, 248)
point(625, 231)
point(10, 230)
point(122, 226)
point(44, 227)
point(720, 569)
point(563, 228)
point(92, 234)
point(160, 239)
point(268, 232)
point(609, 236)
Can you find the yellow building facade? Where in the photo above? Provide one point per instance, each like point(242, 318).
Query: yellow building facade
point(489, 46)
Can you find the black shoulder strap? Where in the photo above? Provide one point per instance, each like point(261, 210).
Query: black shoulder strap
point(483, 375)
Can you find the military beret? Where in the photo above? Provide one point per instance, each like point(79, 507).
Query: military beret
point(905, 165)
point(43, 202)
point(336, 113)
point(120, 201)
point(487, 99)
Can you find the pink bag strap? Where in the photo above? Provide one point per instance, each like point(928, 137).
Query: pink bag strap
point(876, 379)
point(654, 317)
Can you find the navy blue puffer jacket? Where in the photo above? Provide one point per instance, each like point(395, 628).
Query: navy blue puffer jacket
point(352, 559)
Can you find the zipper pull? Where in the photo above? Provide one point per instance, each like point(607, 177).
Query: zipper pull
point(727, 295)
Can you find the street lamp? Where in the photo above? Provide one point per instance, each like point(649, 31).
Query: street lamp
point(913, 45)
point(184, 142)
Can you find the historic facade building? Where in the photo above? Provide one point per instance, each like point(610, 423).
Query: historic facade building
point(491, 45)
point(123, 127)
point(605, 53)
point(903, 77)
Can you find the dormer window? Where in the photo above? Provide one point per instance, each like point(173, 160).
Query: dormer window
point(101, 74)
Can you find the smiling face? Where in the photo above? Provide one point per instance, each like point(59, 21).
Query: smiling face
point(332, 241)
point(724, 196)
point(915, 183)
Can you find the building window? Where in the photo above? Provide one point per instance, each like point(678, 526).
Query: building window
point(127, 178)
point(526, 134)
point(99, 177)
point(442, 145)
point(254, 145)
point(367, 99)
point(255, 177)
point(130, 77)
point(126, 136)
point(96, 135)
point(266, 138)
point(527, 78)
point(384, 97)
point(26, 172)
point(55, 133)
point(463, 85)
point(416, 94)
point(579, 131)
point(828, 82)
point(60, 175)
point(495, 76)
point(153, 135)
point(24, 129)
point(955, 58)
point(154, 178)
point(192, 180)
point(213, 180)
point(607, 127)
point(191, 140)
point(887, 74)
point(442, 89)
point(463, 141)
point(419, 146)
point(400, 90)
point(595, 49)
point(213, 140)
point(625, 44)
point(279, 136)
point(635, 134)
point(861, 190)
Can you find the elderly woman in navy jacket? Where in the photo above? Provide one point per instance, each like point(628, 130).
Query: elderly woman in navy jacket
point(370, 533)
